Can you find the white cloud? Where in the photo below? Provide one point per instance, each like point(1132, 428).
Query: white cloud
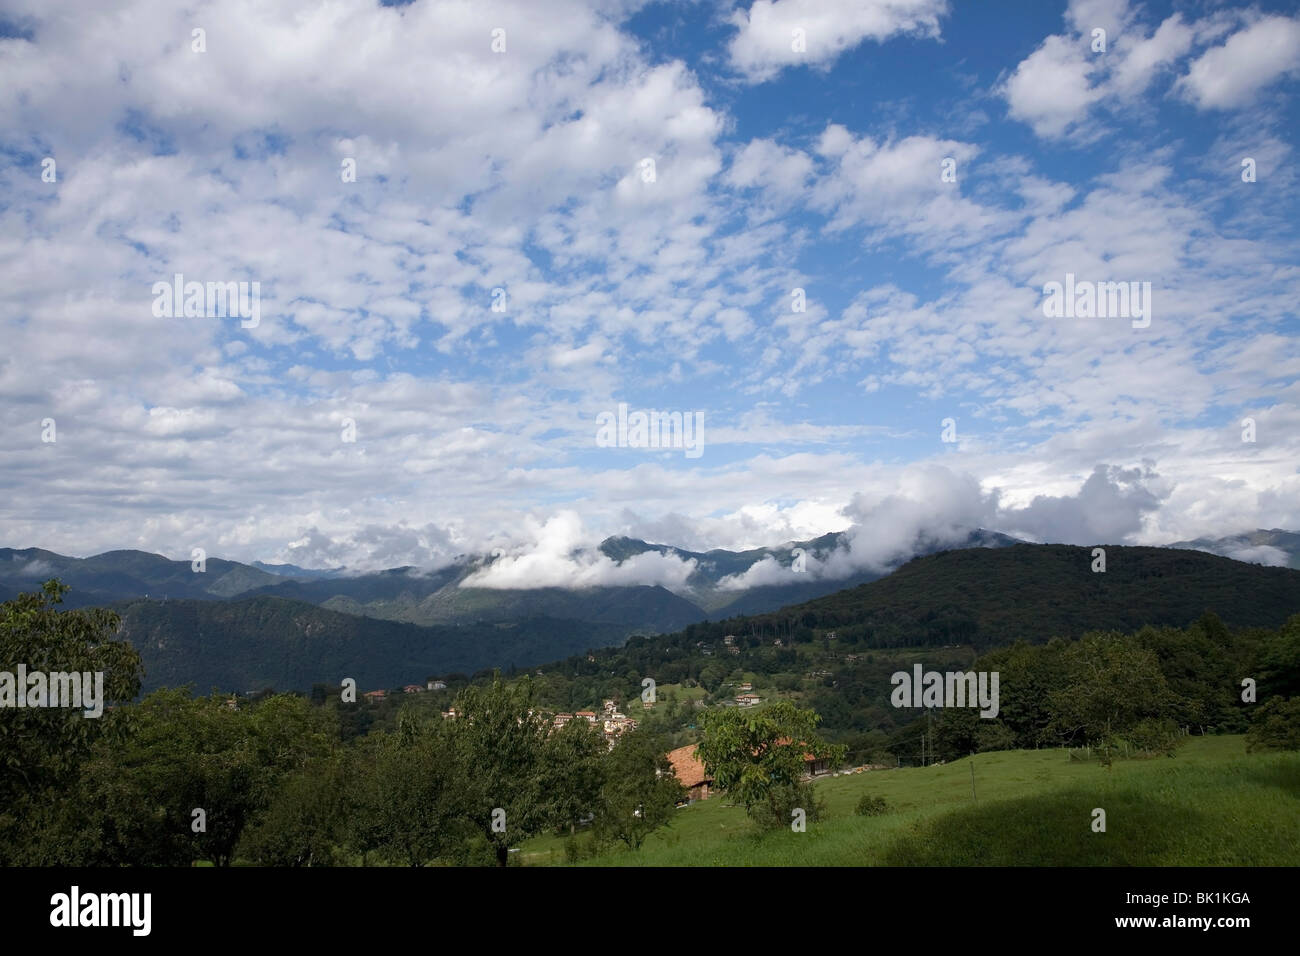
point(1141, 61)
point(522, 171)
point(558, 553)
point(1231, 75)
point(1058, 88)
point(1261, 554)
point(766, 39)
point(1052, 87)
point(1108, 509)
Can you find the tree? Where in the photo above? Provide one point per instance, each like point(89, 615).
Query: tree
point(42, 749)
point(305, 824)
point(414, 802)
point(1280, 662)
point(177, 755)
point(1276, 726)
point(641, 792)
point(571, 770)
point(1029, 676)
point(1194, 662)
point(1111, 685)
point(758, 756)
point(499, 739)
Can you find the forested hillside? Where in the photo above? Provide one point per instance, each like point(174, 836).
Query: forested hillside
point(289, 645)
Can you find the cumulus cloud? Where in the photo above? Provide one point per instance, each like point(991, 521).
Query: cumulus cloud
point(764, 572)
point(935, 507)
point(1232, 74)
point(1108, 509)
point(767, 34)
point(932, 506)
point(1052, 87)
point(558, 553)
point(1056, 89)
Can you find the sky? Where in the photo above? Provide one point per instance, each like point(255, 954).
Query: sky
point(824, 233)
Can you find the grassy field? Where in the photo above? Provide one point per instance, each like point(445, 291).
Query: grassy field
point(1213, 804)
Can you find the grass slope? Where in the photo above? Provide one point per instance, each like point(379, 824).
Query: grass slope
point(1212, 805)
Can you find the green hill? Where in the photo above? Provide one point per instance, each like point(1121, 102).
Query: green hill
point(1213, 805)
point(945, 611)
point(290, 645)
point(994, 596)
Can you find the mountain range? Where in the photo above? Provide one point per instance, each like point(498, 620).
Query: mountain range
point(441, 597)
point(1275, 547)
point(246, 626)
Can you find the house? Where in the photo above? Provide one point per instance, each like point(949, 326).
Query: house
point(375, 696)
point(610, 706)
point(748, 700)
point(748, 685)
point(588, 715)
point(561, 719)
point(437, 685)
point(451, 713)
point(812, 766)
point(729, 640)
point(689, 770)
point(648, 704)
point(412, 689)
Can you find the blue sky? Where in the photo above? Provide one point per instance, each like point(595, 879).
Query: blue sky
point(778, 165)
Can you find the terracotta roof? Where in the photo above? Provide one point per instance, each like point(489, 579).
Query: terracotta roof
point(688, 768)
point(786, 741)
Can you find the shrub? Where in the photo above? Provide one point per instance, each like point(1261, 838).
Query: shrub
point(773, 812)
point(1155, 737)
point(1276, 726)
point(871, 806)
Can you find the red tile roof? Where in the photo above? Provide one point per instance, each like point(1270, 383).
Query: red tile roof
point(688, 767)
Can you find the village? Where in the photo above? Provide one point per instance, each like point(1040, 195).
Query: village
point(613, 723)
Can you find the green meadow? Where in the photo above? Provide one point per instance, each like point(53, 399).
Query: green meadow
point(1211, 805)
